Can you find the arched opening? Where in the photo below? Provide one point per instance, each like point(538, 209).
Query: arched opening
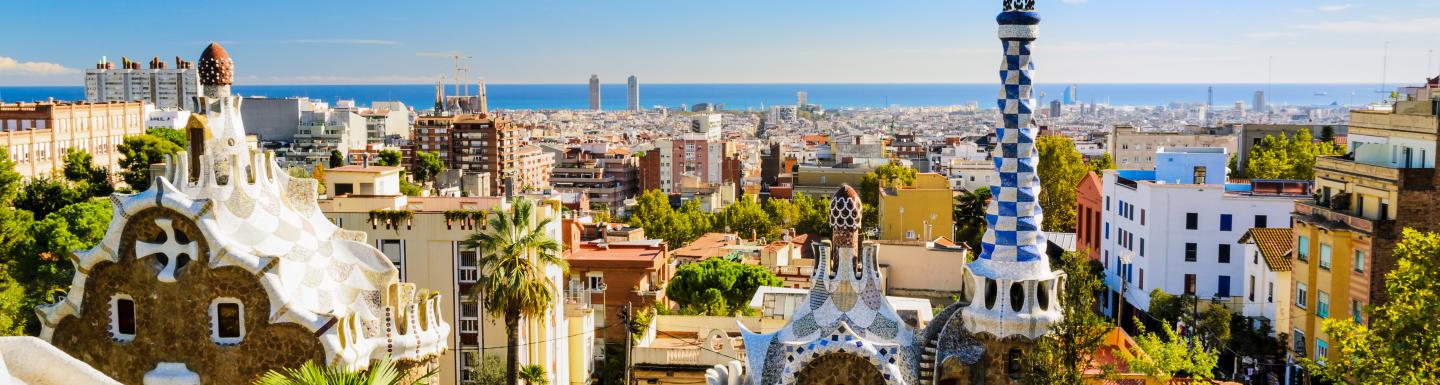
point(1017, 296)
point(840, 369)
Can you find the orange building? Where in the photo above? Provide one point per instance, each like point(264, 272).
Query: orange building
point(1088, 195)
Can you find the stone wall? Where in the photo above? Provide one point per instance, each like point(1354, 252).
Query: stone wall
point(840, 369)
point(173, 319)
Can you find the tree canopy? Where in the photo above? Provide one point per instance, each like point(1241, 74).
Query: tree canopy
point(427, 166)
point(970, 216)
point(1063, 356)
point(748, 219)
point(1167, 355)
point(1060, 169)
point(678, 228)
point(1278, 157)
point(388, 158)
point(717, 287)
point(137, 153)
point(1399, 344)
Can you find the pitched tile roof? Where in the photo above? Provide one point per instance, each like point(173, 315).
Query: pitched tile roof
point(1274, 245)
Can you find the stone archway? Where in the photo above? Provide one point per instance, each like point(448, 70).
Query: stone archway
point(840, 369)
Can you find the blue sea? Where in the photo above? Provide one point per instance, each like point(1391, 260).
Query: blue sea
point(745, 96)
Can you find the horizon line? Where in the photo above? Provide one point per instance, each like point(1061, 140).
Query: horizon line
point(770, 83)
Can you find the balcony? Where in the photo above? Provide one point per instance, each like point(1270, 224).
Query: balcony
point(1310, 211)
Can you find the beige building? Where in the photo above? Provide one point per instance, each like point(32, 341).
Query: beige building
point(821, 181)
point(37, 134)
point(1251, 134)
point(422, 236)
point(1135, 150)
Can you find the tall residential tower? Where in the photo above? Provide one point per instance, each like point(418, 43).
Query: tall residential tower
point(632, 95)
point(595, 92)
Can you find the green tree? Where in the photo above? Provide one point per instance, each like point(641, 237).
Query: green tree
point(10, 180)
point(169, 134)
point(137, 153)
point(80, 169)
point(785, 213)
point(1167, 355)
point(77, 164)
point(388, 158)
point(891, 174)
point(653, 213)
point(1294, 158)
point(970, 216)
point(514, 254)
point(534, 375)
point(717, 287)
point(382, 372)
point(42, 196)
point(15, 242)
point(747, 219)
point(427, 166)
point(814, 215)
point(1399, 344)
point(1060, 169)
point(337, 159)
point(1106, 162)
point(1211, 321)
point(13, 317)
point(1063, 356)
point(1327, 134)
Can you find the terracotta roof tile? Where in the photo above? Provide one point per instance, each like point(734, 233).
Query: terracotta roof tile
point(1274, 245)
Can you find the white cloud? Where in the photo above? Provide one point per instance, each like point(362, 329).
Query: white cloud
point(1334, 7)
point(346, 41)
point(12, 66)
point(1417, 25)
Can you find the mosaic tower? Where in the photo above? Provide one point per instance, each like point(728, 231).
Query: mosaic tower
point(1016, 286)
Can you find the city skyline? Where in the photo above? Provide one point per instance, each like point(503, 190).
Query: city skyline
point(793, 42)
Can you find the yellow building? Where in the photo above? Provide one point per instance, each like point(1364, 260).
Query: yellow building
point(1345, 238)
point(422, 236)
point(919, 212)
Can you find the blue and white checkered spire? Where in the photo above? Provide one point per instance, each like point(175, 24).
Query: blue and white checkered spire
point(1012, 259)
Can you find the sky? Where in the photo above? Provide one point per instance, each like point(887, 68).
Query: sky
point(730, 41)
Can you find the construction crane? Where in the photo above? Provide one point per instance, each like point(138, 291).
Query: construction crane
point(452, 54)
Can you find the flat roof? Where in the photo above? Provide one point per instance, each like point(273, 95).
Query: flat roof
point(366, 169)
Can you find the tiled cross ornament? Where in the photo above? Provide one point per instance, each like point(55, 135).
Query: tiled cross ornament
point(170, 249)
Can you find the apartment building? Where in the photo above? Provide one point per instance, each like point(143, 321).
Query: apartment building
point(608, 176)
point(1134, 149)
point(423, 237)
point(614, 272)
point(164, 88)
point(1177, 228)
point(923, 211)
point(38, 134)
point(1345, 240)
point(491, 144)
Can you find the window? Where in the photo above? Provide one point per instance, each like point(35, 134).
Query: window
point(1260, 221)
point(470, 366)
point(1359, 261)
point(395, 250)
point(1107, 230)
point(344, 189)
point(596, 281)
point(1325, 256)
point(1107, 203)
point(1225, 220)
point(1224, 253)
point(1251, 292)
point(1321, 351)
point(1302, 249)
point(1222, 289)
point(1142, 217)
point(469, 316)
point(1190, 284)
point(1192, 221)
point(227, 321)
point(1299, 341)
point(1199, 174)
point(1142, 278)
point(1270, 292)
point(1190, 252)
point(122, 318)
point(1013, 364)
point(1357, 311)
point(467, 261)
point(1142, 247)
point(1322, 304)
point(1301, 294)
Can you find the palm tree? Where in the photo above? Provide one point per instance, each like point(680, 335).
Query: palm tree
point(382, 372)
point(514, 252)
point(970, 216)
point(534, 375)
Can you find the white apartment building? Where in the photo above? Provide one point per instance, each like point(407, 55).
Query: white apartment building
point(1177, 228)
point(165, 88)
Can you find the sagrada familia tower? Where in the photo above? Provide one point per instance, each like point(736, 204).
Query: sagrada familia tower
point(849, 333)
